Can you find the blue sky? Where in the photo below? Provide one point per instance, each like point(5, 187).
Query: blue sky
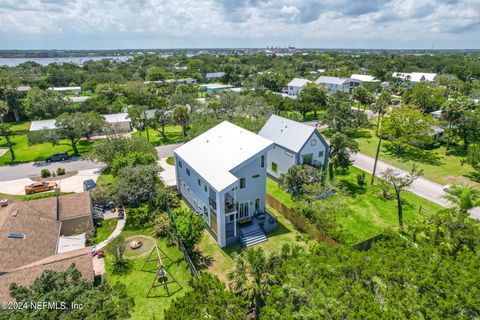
point(102, 24)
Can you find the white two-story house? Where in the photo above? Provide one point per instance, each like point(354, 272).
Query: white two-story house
point(295, 86)
point(295, 143)
point(222, 175)
point(335, 84)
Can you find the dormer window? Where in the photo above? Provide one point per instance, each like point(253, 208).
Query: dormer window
point(16, 235)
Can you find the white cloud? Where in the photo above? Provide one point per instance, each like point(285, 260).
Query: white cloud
point(309, 23)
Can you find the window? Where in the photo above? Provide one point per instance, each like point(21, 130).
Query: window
point(180, 164)
point(262, 161)
point(274, 167)
point(205, 188)
point(243, 183)
point(199, 182)
point(232, 217)
point(188, 171)
point(257, 205)
point(313, 142)
point(243, 210)
point(255, 176)
point(320, 154)
point(307, 158)
point(289, 154)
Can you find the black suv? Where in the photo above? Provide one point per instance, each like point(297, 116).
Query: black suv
point(59, 156)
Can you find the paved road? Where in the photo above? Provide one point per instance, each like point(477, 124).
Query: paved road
point(25, 170)
point(166, 151)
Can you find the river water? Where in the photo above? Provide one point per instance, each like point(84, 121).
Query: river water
point(12, 62)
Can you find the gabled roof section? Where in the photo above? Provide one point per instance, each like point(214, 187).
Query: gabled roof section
point(221, 149)
point(298, 82)
point(363, 78)
point(331, 80)
point(286, 133)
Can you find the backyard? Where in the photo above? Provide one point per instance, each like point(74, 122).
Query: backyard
point(436, 165)
point(370, 214)
point(139, 282)
point(173, 134)
point(103, 232)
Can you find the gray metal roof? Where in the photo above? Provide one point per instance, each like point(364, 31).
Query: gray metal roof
point(42, 125)
point(331, 80)
point(286, 133)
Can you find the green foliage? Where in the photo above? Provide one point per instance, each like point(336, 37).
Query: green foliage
point(427, 96)
point(189, 227)
point(98, 302)
point(132, 159)
point(394, 280)
point(44, 104)
point(473, 159)
point(137, 184)
point(45, 173)
point(293, 115)
point(181, 116)
point(311, 98)
point(208, 297)
point(464, 196)
point(340, 117)
point(113, 146)
point(161, 226)
point(361, 180)
point(60, 171)
point(296, 178)
point(340, 148)
point(140, 218)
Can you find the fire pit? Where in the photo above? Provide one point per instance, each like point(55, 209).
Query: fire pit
point(135, 244)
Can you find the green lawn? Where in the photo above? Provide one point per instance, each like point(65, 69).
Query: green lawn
point(219, 260)
point(173, 134)
point(138, 282)
point(105, 230)
point(436, 165)
point(370, 214)
point(20, 126)
point(26, 153)
point(171, 161)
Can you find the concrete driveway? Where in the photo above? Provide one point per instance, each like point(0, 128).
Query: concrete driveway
point(168, 174)
point(70, 184)
point(166, 151)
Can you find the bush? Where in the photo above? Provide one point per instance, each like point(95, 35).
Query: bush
point(361, 179)
point(161, 226)
point(60, 171)
point(132, 159)
point(45, 173)
point(189, 227)
point(139, 218)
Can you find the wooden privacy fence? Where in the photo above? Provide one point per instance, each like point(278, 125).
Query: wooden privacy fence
point(301, 222)
point(366, 244)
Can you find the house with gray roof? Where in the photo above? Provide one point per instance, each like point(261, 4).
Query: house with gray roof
point(335, 84)
point(295, 143)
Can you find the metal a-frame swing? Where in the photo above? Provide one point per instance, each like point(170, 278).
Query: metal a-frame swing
point(160, 279)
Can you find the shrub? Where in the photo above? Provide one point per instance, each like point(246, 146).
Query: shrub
point(60, 171)
point(161, 226)
point(139, 218)
point(361, 179)
point(45, 173)
point(189, 227)
point(132, 159)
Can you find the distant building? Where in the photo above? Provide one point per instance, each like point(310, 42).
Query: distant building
point(117, 121)
point(364, 78)
point(416, 77)
point(295, 86)
point(295, 143)
point(182, 80)
point(215, 87)
point(67, 90)
point(212, 76)
point(335, 84)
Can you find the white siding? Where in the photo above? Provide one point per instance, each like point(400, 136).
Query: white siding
point(282, 157)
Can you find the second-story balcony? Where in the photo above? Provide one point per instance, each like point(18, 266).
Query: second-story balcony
point(230, 204)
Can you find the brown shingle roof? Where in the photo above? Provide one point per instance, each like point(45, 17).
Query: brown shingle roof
point(36, 219)
point(26, 275)
point(74, 205)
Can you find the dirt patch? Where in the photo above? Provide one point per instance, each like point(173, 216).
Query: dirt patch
point(460, 179)
point(54, 178)
point(148, 243)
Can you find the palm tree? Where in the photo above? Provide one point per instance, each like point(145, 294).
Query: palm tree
point(452, 111)
point(253, 272)
point(464, 196)
point(181, 117)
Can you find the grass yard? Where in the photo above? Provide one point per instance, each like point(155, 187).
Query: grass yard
point(105, 230)
point(370, 213)
point(20, 126)
point(173, 134)
point(436, 165)
point(38, 152)
point(219, 260)
point(138, 282)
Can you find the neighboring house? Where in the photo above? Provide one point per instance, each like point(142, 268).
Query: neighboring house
point(212, 76)
point(215, 87)
point(117, 121)
point(222, 175)
point(364, 78)
point(182, 80)
point(67, 90)
point(335, 84)
point(44, 234)
point(295, 86)
point(77, 99)
point(23, 88)
point(295, 143)
point(416, 77)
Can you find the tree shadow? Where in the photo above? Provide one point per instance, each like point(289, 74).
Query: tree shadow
point(413, 154)
point(353, 189)
point(356, 134)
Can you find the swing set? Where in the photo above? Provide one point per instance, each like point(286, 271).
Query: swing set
point(161, 276)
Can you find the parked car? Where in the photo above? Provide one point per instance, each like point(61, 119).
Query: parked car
point(40, 187)
point(59, 156)
point(88, 185)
